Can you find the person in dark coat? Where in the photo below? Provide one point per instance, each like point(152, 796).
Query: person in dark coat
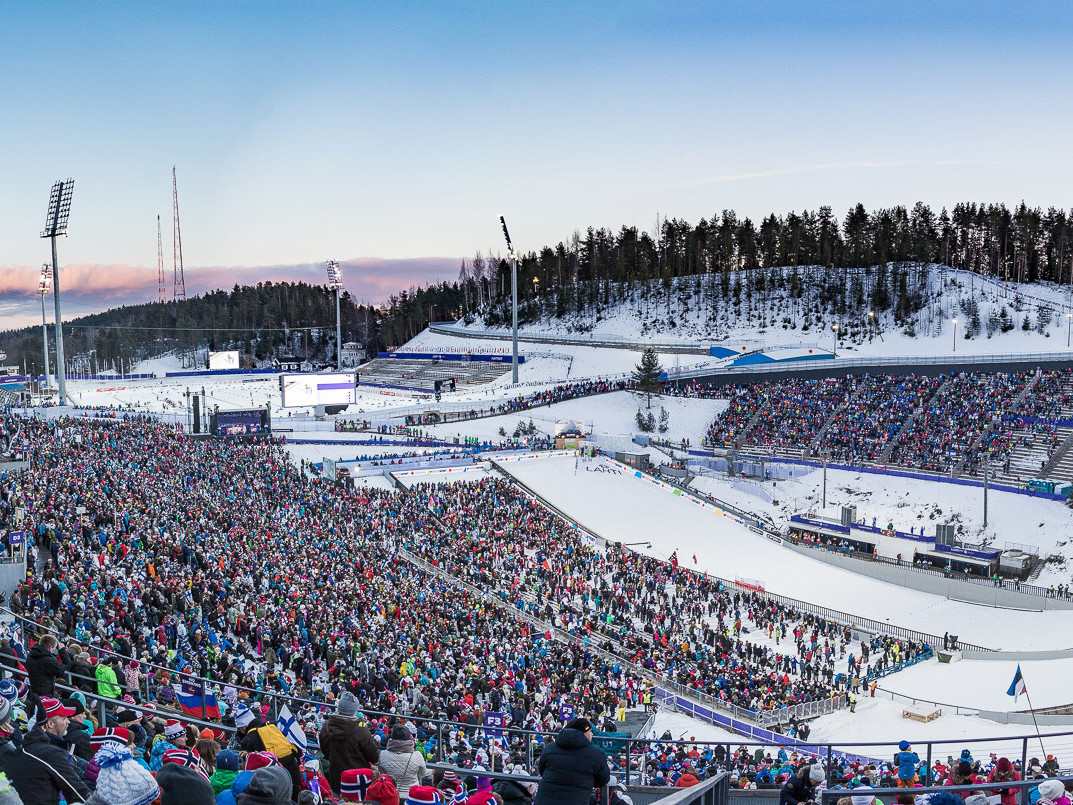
point(800, 787)
point(47, 662)
point(345, 743)
point(512, 792)
point(78, 732)
point(570, 767)
point(42, 770)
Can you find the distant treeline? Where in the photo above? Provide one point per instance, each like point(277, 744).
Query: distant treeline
point(260, 321)
point(600, 267)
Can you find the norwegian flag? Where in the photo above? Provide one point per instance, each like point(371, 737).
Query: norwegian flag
point(674, 560)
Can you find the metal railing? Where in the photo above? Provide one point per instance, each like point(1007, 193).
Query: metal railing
point(1022, 789)
point(713, 791)
point(634, 749)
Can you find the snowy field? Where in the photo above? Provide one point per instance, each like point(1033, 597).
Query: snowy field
point(983, 683)
point(621, 507)
point(610, 414)
point(908, 503)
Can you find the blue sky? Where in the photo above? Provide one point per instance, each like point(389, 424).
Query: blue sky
point(395, 131)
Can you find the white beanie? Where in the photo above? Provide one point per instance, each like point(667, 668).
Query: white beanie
point(815, 774)
point(122, 780)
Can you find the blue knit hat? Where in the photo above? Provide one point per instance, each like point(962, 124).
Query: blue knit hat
point(227, 760)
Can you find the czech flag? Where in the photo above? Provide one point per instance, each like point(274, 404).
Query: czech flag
point(1017, 687)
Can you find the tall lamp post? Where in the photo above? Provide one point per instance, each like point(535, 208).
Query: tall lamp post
point(955, 334)
point(1069, 324)
point(335, 282)
point(834, 340)
point(514, 300)
point(42, 289)
point(59, 211)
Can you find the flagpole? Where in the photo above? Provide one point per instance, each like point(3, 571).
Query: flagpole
point(1032, 710)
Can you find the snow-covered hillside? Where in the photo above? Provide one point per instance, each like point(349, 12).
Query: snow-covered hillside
point(798, 307)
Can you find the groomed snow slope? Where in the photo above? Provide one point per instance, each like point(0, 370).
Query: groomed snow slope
point(624, 508)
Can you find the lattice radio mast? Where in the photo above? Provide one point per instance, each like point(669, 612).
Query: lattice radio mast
point(178, 281)
point(161, 286)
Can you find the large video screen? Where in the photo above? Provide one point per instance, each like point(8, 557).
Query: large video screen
point(241, 423)
point(339, 388)
point(223, 360)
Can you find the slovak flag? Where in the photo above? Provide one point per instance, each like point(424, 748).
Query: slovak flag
point(1017, 687)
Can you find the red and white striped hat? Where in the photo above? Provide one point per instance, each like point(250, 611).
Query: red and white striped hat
point(102, 735)
point(188, 758)
point(258, 760)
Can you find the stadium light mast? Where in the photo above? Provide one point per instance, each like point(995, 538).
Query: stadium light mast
point(335, 282)
point(514, 300)
point(59, 211)
point(42, 290)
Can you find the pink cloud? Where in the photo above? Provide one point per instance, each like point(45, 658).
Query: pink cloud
point(369, 279)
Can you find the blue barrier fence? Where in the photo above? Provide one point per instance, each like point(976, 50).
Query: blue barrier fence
point(747, 730)
point(209, 372)
point(450, 356)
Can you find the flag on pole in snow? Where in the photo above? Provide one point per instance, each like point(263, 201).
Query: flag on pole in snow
point(1017, 687)
point(288, 725)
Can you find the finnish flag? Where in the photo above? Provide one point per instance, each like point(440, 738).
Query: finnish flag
point(1017, 687)
point(288, 725)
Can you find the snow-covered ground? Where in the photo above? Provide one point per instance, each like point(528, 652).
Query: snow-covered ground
point(609, 414)
point(880, 720)
point(983, 684)
point(616, 504)
point(908, 503)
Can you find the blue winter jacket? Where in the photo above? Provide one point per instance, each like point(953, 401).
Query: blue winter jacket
point(907, 765)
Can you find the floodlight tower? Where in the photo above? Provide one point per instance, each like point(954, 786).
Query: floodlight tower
point(335, 282)
point(42, 289)
point(59, 211)
point(514, 300)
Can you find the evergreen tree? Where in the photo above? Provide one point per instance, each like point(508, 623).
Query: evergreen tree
point(647, 373)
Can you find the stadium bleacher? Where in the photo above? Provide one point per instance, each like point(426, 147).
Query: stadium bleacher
point(953, 423)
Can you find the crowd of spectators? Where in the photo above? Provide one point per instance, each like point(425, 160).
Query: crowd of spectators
point(739, 647)
point(222, 559)
point(933, 423)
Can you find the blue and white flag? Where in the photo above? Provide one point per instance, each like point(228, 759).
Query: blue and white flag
point(288, 725)
point(1017, 687)
point(243, 716)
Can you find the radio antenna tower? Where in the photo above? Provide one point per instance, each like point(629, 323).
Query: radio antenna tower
point(178, 281)
point(161, 286)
